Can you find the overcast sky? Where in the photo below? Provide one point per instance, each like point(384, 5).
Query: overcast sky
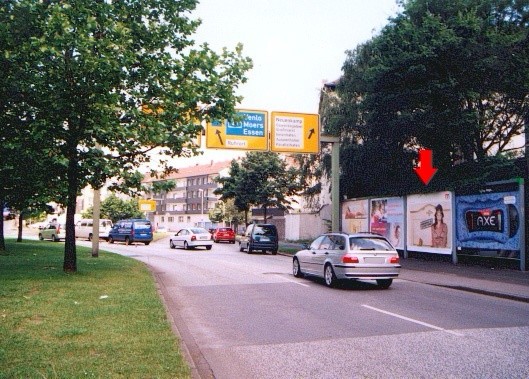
point(295, 45)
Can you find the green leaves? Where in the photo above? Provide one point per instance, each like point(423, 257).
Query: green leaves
point(441, 75)
point(83, 69)
point(260, 179)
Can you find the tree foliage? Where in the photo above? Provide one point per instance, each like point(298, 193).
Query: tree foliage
point(449, 76)
point(115, 209)
point(260, 179)
point(107, 82)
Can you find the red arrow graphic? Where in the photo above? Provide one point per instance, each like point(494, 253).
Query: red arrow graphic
point(424, 169)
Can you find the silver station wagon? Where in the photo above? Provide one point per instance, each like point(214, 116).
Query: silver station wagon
point(341, 256)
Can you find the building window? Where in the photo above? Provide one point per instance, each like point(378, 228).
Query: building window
point(170, 219)
point(188, 218)
point(163, 219)
point(180, 218)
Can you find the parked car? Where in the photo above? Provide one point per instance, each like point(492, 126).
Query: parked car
point(261, 237)
point(7, 214)
point(224, 234)
point(131, 230)
point(85, 228)
point(53, 231)
point(189, 238)
point(341, 256)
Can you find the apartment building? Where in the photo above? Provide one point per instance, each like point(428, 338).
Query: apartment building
point(188, 204)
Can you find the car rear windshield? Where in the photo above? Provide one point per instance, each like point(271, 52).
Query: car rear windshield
point(199, 230)
point(264, 230)
point(142, 225)
point(369, 243)
point(225, 230)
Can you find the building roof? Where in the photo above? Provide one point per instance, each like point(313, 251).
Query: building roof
point(192, 171)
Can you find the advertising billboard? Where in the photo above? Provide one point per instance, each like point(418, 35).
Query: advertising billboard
point(490, 221)
point(429, 222)
point(387, 219)
point(355, 216)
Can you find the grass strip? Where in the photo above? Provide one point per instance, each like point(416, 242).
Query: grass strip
point(105, 321)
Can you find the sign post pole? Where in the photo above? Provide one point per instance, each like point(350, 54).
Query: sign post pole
point(335, 180)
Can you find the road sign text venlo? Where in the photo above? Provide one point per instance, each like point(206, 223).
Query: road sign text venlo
point(248, 131)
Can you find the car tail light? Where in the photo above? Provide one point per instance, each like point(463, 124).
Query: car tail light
point(193, 238)
point(350, 259)
point(394, 260)
point(58, 229)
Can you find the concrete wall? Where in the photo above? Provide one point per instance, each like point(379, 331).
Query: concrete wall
point(307, 226)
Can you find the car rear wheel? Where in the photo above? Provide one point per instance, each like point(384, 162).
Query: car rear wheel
point(171, 244)
point(274, 252)
point(127, 241)
point(186, 246)
point(330, 277)
point(249, 250)
point(240, 247)
point(90, 237)
point(41, 238)
point(54, 239)
point(147, 242)
point(208, 247)
point(384, 283)
point(296, 269)
point(110, 240)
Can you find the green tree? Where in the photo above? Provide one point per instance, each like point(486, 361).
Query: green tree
point(115, 209)
point(116, 80)
point(233, 187)
point(449, 76)
point(261, 179)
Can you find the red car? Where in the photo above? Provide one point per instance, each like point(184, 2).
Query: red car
point(224, 234)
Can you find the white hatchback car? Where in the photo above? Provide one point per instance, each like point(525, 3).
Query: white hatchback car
point(189, 238)
point(340, 256)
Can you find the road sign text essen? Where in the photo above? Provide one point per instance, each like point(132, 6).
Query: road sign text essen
point(253, 124)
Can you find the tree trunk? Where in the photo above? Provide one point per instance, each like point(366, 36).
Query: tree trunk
point(70, 254)
point(2, 239)
point(265, 215)
point(20, 225)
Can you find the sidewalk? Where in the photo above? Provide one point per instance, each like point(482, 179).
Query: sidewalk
point(500, 282)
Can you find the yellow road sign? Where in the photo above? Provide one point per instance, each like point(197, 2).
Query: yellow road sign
point(249, 131)
point(295, 133)
point(147, 205)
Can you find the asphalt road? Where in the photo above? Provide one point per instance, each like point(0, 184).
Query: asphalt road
point(246, 316)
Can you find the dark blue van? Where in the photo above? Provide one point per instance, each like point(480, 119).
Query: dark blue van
point(130, 231)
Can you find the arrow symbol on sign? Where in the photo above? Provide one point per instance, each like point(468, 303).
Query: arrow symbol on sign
point(219, 134)
point(311, 132)
point(425, 170)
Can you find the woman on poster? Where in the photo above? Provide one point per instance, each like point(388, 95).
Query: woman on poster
point(439, 228)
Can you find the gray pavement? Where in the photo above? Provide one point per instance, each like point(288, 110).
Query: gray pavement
point(474, 277)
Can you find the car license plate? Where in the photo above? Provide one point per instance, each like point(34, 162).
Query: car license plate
point(265, 239)
point(203, 237)
point(375, 260)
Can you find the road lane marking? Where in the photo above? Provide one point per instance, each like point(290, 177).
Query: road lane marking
point(296, 282)
point(413, 320)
